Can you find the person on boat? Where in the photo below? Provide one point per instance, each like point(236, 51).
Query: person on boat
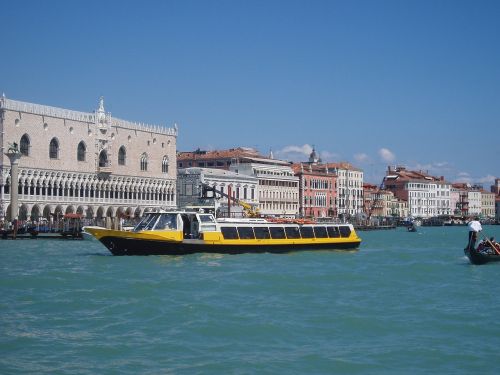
point(474, 228)
point(494, 243)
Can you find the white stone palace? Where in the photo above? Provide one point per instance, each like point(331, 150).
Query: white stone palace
point(84, 162)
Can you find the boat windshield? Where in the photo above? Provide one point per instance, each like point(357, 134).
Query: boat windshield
point(167, 222)
point(147, 222)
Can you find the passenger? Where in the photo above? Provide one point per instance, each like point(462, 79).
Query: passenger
point(474, 228)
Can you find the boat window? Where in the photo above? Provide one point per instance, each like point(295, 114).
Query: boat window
point(277, 233)
point(151, 223)
point(167, 221)
point(146, 223)
point(229, 233)
point(345, 231)
point(292, 232)
point(207, 219)
point(262, 233)
point(320, 232)
point(333, 232)
point(307, 232)
point(246, 233)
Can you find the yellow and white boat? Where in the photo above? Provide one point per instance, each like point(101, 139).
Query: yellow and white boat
point(177, 233)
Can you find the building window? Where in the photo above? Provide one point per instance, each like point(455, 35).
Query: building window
point(164, 164)
point(103, 159)
point(54, 148)
point(144, 162)
point(24, 145)
point(80, 153)
point(122, 155)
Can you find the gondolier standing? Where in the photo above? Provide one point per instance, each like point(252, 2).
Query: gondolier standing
point(474, 228)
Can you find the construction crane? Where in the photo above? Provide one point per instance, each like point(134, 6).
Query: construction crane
point(248, 209)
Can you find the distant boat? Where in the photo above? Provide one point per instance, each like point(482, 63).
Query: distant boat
point(412, 228)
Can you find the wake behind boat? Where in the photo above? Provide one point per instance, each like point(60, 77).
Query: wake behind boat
point(179, 233)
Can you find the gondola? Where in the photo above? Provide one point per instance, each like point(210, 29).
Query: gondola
point(482, 254)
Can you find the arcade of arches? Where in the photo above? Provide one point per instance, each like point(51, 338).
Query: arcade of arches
point(52, 194)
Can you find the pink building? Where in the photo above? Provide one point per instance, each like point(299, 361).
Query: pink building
point(317, 190)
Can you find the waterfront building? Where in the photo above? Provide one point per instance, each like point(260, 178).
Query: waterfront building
point(278, 187)
point(487, 204)
point(399, 207)
point(220, 159)
point(382, 203)
point(497, 209)
point(427, 196)
point(89, 163)
point(460, 199)
point(349, 188)
point(317, 190)
point(241, 187)
point(474, 198)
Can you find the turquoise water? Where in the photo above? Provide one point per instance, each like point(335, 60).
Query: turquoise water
point(404, 303)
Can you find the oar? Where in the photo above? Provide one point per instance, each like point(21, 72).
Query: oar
point(492, 245)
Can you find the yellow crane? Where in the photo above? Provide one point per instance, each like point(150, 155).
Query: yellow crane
point(248, 209)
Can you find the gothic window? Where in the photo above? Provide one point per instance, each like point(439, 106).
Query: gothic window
point(122, 155)
point(80, 153)
point(103, 159)
point(164, 165)
point(54, 148)
point(24, 145)
point(144, 162)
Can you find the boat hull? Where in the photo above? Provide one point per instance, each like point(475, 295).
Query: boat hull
point(130, 246)
point(478, 258)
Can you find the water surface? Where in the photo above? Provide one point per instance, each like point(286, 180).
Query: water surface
point(404, 303)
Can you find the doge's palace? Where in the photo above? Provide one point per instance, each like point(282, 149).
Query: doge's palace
point(89, 163)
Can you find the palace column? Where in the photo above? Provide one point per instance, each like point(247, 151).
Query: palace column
point(14, 157)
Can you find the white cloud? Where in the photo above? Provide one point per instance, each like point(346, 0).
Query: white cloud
point(305, 150)
point(439, 168)
point(489, 179)
point(463, 177)
point(361, 158)
point(328, 156)
point(386, 155)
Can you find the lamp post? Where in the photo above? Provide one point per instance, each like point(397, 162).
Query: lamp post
point(14, 155)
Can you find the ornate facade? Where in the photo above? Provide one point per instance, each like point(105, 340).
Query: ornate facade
point(84, 162)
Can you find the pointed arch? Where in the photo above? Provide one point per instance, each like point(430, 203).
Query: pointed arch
point(144, 162)
point(24, 145)
point(164, 164)
point(122, 155)
point(54, 148)
point(81, 151)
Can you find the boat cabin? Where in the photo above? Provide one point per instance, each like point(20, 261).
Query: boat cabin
point(190, 223)
point(193, 224)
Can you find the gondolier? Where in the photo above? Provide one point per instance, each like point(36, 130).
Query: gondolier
point(474, 228)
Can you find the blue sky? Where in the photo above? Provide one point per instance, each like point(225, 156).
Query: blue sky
point(414, 83)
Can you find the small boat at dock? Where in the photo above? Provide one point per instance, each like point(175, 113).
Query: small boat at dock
point(179, 233)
